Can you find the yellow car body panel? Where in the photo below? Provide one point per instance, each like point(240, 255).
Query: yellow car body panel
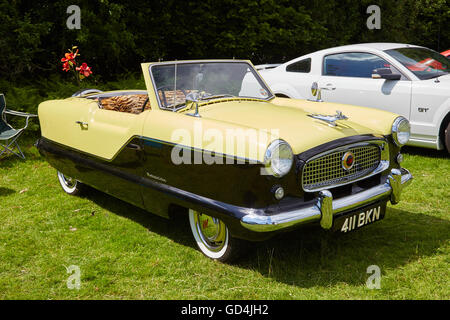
point(99, 132)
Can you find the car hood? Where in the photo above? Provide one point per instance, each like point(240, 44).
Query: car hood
point(291, 122)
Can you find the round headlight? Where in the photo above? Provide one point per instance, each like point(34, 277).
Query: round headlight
point(401, 131)
point(278, 158)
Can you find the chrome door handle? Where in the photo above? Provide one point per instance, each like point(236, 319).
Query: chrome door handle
point(82, 124)
point(134, 147)
point(329, 86)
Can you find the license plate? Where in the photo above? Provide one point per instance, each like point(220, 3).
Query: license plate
point(354, 220)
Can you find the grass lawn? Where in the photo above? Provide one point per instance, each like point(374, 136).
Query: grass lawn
point(126, 253)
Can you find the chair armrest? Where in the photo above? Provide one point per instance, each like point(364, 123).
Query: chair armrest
point(21, 114)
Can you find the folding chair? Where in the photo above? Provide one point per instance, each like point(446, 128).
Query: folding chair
point(9, 135)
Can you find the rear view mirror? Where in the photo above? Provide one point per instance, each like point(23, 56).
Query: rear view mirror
point(385, 73)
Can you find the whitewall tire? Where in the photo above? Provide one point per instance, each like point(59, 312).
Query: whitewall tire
point(212, 237)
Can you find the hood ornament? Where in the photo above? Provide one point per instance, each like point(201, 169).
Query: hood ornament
point(331, 120)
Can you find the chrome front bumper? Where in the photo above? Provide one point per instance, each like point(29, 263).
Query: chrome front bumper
point(325, 208)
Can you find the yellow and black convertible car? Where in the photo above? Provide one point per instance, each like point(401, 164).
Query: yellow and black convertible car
point(210, 138)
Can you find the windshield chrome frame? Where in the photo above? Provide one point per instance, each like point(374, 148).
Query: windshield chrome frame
point(250, 65)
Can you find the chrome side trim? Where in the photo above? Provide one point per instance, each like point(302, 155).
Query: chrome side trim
point(326, 208)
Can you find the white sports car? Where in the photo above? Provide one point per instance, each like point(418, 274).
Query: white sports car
point(410, 80)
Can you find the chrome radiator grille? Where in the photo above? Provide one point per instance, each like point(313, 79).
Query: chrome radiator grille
point(327, 170)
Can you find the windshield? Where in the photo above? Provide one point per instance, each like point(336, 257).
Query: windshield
point(211, 80)
point(424, 63)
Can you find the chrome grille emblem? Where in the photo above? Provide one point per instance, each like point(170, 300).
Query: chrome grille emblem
point(348, 160)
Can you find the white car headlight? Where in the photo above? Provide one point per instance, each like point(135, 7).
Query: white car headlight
point(278, 158)
point(401, 131)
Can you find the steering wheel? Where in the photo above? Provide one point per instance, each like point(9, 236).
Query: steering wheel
point(163, 89)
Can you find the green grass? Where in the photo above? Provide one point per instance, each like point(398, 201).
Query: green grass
point(126, 253)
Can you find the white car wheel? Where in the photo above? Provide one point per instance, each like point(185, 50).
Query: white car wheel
point(212, 237)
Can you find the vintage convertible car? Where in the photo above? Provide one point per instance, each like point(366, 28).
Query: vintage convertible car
point(210, 139)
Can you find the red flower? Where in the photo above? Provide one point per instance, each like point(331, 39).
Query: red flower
point(69, 60)
point(66, 66)
point(69, 56)
point(84, 69)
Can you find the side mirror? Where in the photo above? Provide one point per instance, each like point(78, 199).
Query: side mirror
point(385, 73)
point(192, 100)
point(314, 89)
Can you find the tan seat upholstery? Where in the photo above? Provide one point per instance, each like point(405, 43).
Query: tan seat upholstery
point(131, 103)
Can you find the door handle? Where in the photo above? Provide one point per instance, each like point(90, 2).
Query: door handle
point(329, 86)
point(135, 147)
point(83, 125)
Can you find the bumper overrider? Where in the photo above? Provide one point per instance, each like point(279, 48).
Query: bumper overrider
point(326, 208)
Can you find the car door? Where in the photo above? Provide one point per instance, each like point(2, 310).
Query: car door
point(112, 140)
point(347, 78)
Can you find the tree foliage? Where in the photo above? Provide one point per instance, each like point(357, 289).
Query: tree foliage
point(116, 35)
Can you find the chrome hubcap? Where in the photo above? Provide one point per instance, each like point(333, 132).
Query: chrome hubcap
point(211, 230)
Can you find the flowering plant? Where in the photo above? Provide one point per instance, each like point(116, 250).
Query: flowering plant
point(69, 64)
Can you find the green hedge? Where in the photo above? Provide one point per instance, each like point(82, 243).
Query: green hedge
point(116, 35)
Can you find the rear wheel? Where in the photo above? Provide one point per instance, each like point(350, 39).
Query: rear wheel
point(69, 185)
point(213, 238)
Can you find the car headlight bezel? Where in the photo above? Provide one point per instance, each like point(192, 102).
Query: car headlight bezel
point(275, 164)
point(401, 131)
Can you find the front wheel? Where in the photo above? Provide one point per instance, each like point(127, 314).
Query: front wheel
point(213, 238)
point(69, 185)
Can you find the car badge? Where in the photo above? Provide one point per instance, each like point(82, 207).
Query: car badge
point(331, 120)
point(348, 160)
